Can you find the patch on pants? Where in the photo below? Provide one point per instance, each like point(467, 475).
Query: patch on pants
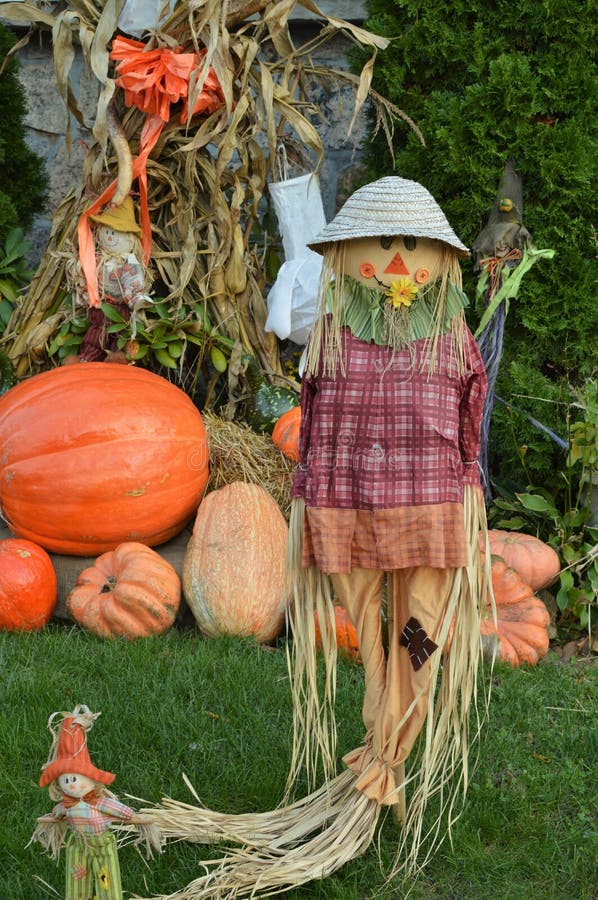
point(417, 642)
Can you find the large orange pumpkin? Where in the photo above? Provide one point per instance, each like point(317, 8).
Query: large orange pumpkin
point(537, 563)
point(285, 434)
point(520, 633)
point(234, 568)
point(97, 454)
point(28, 586)
point(129, 592)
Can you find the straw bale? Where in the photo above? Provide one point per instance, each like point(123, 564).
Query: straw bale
point(237, 453)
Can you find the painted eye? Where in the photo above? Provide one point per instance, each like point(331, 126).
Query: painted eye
point(410, 242)
point(386, 241)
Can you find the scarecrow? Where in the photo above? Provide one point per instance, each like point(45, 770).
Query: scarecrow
point(387, 497)
point(121, 279)
point(386, 501)
point(114, 265)
point(503, 253)
point(86, 808)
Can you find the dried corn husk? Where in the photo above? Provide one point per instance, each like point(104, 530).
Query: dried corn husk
point(206, 176)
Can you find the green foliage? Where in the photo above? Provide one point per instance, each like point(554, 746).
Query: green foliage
point(14, 273)
point(584, 431)
point(568, 531)
point(565, 520)
point(157, 336)
point(23, 180)
point(486, 82)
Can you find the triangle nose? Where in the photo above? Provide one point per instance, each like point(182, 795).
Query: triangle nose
point(396, 266)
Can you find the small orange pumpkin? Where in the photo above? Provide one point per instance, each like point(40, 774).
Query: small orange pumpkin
point(129, 592)
point(234, 567)
point(286, 433)
point(28, 586)
point(537, 563)
point(347, 642)
point(520, 632)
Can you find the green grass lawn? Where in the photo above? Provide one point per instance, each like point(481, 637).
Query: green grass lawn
point(220, 712)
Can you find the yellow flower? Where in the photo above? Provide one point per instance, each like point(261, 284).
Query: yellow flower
point(402, 292)
point(104, 879)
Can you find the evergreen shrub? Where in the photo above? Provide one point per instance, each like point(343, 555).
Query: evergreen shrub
point(23, 179)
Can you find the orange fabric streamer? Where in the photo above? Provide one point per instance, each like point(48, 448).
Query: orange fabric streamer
point(152, 80)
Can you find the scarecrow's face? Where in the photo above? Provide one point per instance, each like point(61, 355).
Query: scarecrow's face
point(117, 242)
point(380, 261)
point(74, 785)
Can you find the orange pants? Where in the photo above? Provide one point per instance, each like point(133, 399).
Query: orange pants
point(396, 691)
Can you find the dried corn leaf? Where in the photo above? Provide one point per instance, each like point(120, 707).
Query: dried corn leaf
point(206, 176)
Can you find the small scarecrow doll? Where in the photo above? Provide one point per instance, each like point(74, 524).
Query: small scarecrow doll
point(121, 278)
point(86, 809)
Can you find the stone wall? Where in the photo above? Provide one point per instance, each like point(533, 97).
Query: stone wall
point(46, 129)
point(47, 117)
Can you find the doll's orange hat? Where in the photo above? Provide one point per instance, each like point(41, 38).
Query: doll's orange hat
point(69, 752)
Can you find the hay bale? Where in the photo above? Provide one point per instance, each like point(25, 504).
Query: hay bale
point(237, 453)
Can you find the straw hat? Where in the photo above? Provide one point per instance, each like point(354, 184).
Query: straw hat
point(70, 753)
point(389, 206)
point(119, 218)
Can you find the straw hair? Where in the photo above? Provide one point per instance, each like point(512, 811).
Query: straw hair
point(441, 770)
point(441, 767)
point(314, 726)
point(280, 849)
point(389, 206)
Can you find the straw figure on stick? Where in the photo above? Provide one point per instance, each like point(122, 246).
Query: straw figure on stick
point(387, 488)
point(503, 253)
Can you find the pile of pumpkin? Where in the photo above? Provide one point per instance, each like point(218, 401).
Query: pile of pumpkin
point(113, 460)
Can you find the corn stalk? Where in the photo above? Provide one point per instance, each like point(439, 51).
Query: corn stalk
point(206, 177)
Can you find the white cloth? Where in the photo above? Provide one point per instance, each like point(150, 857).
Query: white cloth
point(139, 16)
point(293, 297)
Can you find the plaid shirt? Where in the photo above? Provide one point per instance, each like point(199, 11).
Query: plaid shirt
point(95, 817)
point(388, 433)
point(385, 452)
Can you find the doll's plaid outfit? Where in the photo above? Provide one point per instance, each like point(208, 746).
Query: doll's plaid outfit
point(92, 868)
point(94, 817)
